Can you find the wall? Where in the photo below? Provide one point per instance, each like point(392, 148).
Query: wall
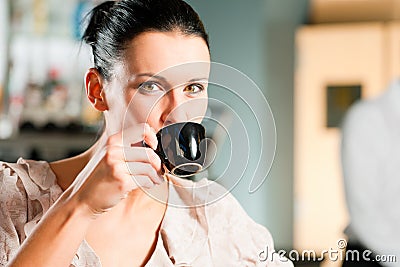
point(257, 38)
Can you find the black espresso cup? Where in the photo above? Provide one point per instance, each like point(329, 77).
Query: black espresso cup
point(181, 149)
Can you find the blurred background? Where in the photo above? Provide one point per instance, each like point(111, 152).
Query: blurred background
point(312, 60)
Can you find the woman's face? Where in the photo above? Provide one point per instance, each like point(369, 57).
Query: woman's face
point(159, 81)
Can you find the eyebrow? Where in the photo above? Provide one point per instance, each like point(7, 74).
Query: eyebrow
point(152, 75)
point(165, 80)
point(198, 79)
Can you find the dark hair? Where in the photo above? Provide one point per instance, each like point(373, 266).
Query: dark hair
point(113, 24)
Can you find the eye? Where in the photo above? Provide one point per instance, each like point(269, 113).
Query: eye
point(194, 88)
point(150, 87)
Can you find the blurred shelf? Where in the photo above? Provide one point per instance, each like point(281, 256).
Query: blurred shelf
point(45, 146)
point(51, 139)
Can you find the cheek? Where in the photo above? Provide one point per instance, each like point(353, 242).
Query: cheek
point(199, 106)
point(141, 108)
point(195, 109)
point(198, 111)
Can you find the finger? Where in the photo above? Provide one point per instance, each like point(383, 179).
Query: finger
point(136, 134)
point(140, 168)
point(150, 137)
point(129, 181)
point(143, 181)
point(135, 154)
point(142, 154)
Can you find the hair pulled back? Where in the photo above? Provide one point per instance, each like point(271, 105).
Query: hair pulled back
point(113, 24)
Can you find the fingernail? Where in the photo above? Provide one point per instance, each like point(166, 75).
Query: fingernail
point(161, 178)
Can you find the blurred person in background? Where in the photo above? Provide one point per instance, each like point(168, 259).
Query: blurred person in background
point(371, 171)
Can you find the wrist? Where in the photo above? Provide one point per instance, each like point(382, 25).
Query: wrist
point(76, 206)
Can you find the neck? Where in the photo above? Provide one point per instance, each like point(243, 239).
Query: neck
point(66, 170)
point(140, 200)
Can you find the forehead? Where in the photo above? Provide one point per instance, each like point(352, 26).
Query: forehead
point(158, 52)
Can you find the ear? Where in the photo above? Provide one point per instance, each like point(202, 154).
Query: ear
point(94, 89)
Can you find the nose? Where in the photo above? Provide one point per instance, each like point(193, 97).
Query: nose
point(173, 106)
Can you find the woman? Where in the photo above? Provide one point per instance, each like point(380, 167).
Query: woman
point(87, 210)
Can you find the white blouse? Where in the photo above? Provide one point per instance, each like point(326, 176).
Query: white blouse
point(371, 162)
point(202, 234)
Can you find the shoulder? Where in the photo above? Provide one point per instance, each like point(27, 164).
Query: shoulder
point(364, 120)
point(364, 111)
point(28, 188)
point(13, 211)
point(13, 200)
point(38, 172)
point(13, 193)
point(35, 178)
